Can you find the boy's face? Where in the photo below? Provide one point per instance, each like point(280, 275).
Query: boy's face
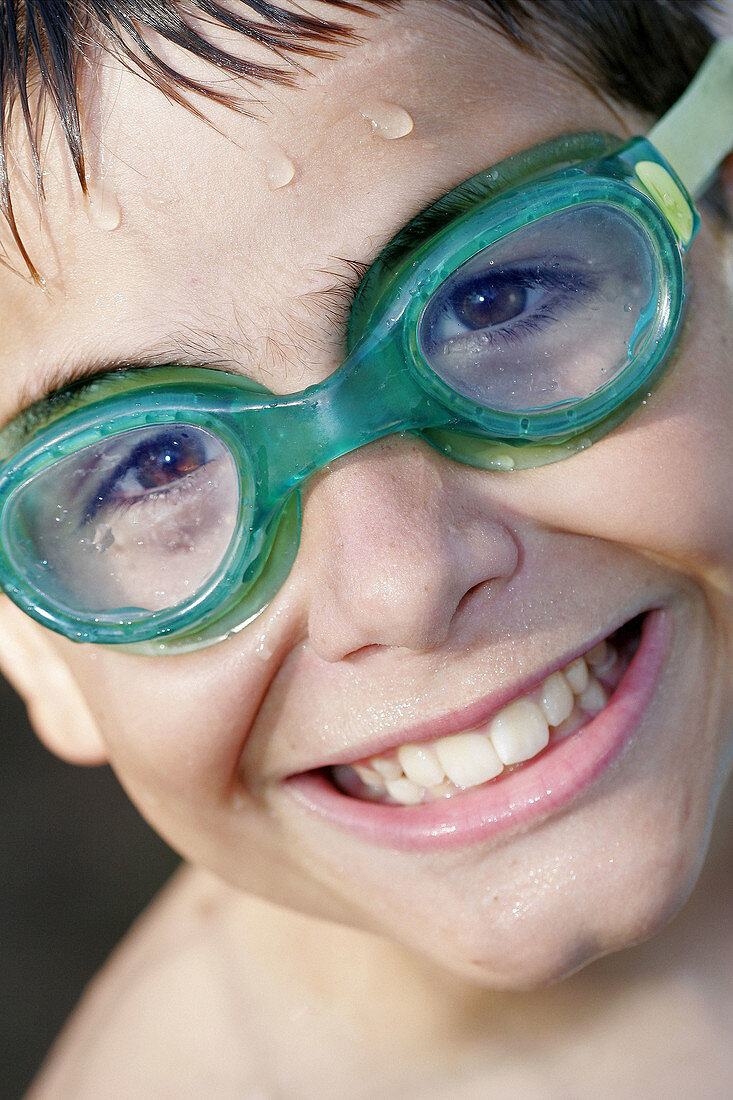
point(422, 587)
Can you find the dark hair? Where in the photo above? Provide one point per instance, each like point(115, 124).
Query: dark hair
point(641, 52)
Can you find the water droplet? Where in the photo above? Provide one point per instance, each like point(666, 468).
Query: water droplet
point(103, 538)
point(263, 649)
point(388, 120)
point(279, 168)
point(103, 208)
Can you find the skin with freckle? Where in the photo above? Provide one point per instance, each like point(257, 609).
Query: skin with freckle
point(421, 587)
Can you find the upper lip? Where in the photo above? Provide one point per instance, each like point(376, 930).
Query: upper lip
point(467, 717)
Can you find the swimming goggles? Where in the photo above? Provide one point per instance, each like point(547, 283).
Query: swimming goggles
point(513, 323)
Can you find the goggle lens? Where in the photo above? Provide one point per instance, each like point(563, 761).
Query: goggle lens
point(548, 315)
point(133, 524)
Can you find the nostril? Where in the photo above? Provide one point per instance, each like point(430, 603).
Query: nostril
point(402, 595)
point(392, 543)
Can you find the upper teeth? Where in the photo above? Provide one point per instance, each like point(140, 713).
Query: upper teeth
point(438, 769)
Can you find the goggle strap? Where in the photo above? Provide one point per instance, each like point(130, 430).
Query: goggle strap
point(696, 134)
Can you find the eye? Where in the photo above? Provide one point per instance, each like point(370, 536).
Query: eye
point(493, 300)
point(154, 466)
point(139, 519)
point(483, 304)
point(165, 460)
point(546, 316)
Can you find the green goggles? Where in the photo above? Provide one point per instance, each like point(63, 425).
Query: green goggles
point(516, 321)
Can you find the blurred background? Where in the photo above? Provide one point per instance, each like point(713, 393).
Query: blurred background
point(77, 864)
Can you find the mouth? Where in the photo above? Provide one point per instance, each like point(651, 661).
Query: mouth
point(524, 761)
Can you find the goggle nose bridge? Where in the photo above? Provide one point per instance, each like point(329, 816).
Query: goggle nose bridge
point(372, 394)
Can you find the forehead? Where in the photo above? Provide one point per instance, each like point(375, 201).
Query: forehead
point(209, 261)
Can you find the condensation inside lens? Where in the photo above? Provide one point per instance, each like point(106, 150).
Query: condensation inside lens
point(550, 314)
point(138, 522)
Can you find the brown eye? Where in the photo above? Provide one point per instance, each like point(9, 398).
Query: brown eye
point(168, 459)
point(484, 305)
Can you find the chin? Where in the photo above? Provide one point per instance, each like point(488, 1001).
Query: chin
point(546, 924)
point(540, 961)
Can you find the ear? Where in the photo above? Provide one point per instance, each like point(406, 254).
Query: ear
point(31, 662)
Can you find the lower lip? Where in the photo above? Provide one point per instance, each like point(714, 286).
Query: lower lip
point(526, 796)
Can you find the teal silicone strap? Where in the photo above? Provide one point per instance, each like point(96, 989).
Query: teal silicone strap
point(696, 135)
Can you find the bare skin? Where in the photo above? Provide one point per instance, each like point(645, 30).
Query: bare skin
point(420, 586)
point(309, 1008)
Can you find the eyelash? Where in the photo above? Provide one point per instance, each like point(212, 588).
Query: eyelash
point(165, 497)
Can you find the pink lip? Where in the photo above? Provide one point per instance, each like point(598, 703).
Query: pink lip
point(525, 796)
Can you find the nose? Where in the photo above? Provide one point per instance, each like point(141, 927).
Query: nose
point(393, 539)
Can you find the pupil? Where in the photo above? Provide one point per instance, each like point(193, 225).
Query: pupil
point(481, 307)
point(168, 460)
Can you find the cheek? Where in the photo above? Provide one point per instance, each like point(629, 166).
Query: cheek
point(661, 481)
point(173, 727)
point(660, 485)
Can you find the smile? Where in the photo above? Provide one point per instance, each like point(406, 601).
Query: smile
point(567, 699)
point(524, 761)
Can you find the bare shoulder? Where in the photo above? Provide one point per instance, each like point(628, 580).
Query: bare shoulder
point(158, 1018)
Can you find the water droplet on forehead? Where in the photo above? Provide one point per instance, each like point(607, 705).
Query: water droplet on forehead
point(388, 120)
point(279, 168)
point(103, 208)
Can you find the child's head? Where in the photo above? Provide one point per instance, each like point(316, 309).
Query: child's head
point(429, 597)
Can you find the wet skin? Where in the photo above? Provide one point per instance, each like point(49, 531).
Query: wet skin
point(421, 586)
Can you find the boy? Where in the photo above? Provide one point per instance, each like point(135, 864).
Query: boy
point(481, 719)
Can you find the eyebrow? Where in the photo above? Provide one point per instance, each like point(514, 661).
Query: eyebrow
point(311, 319)
point(328, 307)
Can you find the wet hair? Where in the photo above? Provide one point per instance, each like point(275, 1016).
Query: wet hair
point(640, 52)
